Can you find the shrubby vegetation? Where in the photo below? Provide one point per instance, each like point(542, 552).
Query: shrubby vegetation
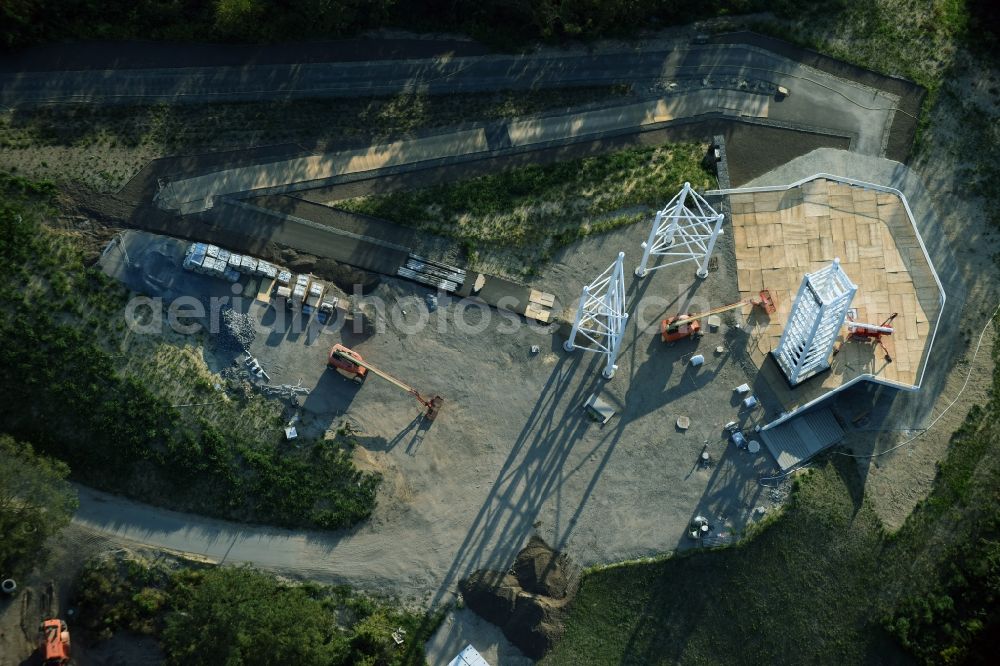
point(61, 335)
point(226, 615)
point(955, 616)
point(35, 502)
point(498, 21)
point(530, 211)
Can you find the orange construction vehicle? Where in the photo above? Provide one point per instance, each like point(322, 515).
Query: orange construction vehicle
point(860, 332)
point(53, 639)
point(350, 364)
point(688, 325)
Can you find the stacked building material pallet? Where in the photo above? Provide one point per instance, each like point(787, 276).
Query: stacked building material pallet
point(219, 262)
point(539, 306)
point(432, 273)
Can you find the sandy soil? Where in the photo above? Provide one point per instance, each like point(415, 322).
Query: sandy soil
point(512, 452)
point(898, 481)
point(463, 627)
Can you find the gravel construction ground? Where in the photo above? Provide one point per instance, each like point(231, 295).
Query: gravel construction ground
point(512, 452)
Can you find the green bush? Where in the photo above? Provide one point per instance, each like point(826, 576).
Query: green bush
point(35, 503)
point(227, 615)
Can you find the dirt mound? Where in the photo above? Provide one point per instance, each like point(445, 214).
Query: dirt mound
point(342, 275)
point(526, 602)
point(543, 571)
point(345, 276)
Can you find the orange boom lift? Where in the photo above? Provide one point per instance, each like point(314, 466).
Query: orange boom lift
point(872, 333)
point(350, 364)
point(53, 639)
point(688, 325)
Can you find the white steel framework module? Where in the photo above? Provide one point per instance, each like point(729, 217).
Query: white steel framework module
point(601, 316)
point(685, 230)
point(814, 323)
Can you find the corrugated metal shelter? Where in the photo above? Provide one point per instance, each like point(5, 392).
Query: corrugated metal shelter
point(802, 437)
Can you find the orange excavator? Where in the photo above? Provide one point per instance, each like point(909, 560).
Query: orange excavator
point(350, 364)
point(688, 325)
point(53, 642)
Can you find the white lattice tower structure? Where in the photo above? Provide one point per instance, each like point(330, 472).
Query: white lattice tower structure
point(685, 230)
point(816, 318)
point(601, 316)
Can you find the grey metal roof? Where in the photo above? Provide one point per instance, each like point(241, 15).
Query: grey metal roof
point(802, 437)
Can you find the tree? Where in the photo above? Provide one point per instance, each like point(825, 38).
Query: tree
point(241, 616)
point(36, 501)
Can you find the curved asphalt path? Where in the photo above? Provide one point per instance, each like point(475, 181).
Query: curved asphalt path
point(818, 99)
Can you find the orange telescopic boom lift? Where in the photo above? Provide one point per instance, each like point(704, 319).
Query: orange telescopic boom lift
point(872, 333)
point(688, 325)
point(350, 364)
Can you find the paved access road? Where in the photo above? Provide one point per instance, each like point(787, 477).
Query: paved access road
point(818, 100)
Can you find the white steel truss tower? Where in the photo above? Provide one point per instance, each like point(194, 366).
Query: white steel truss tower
point(814, 323)
point(601, 316)
point(685, 230)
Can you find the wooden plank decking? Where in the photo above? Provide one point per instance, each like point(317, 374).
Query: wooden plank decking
point(780, 235)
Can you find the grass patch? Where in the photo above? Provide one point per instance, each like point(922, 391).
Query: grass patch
point(919, 40)
point(803, 581)
point(79, 387)
point(821, 583)
point(227, 615)
point(102, 147)
point(516, 219)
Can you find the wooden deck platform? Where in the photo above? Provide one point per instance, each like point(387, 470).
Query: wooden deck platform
point(780, 235)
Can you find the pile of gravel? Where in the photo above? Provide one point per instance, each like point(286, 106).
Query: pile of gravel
point(236, 332)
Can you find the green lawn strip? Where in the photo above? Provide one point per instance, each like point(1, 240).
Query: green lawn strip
point(222, 615)
point(531, 211)
point(80, 387)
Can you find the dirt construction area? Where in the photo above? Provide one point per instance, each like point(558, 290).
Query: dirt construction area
point(513, 452)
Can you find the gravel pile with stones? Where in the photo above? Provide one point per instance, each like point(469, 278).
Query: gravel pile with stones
point(236, 333)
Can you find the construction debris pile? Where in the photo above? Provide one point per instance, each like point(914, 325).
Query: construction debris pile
point(236, 331)
point(285, 391)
